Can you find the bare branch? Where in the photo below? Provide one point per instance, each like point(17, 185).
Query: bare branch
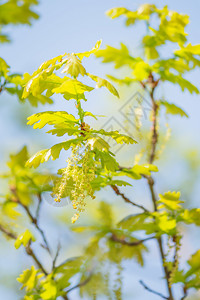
point(117, 192)
point(185, 291)
point(34, 220)
point(84, 282)
point(152, 291)
point(125, 242)
point(39, 206)
point(35, 223)
point(7, 232)
point(30, 252)
point(28, 248)
point(56, 256)
point(154, 141)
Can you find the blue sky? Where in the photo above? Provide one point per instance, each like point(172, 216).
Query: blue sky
point(71, 26)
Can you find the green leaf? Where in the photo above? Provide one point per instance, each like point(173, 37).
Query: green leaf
point(191, 216)
point(119, 57)
point(194, 263)
point(119, 138)
point(62, 129)
point(28, 279)
point(191, 53)
point(117, 12)
point(165, 223)
point(49, 63)
point(107, 161)
point(142, 13)
point(119, 183)
point(98, 143)
point(178, 79)
point(53, 153)
point(89, 114)
point(141, 70)
point(72, 88)
point(51, 118)
point(134, 222)
point(18, 159)
point(171, 65)
point(4, 68)
point(170, 200)
point(104, 83)
point(9, 210)
point(73, 66)
point(49, 290)
point(43, 81)
point(105, 214)
point(24, 239)
point(13, 13)
point(126, 80)
point(151, 52)
point(92, 51)
point(173, 109)
point(138, 171)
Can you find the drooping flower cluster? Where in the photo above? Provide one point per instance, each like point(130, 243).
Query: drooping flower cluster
point(76, 179)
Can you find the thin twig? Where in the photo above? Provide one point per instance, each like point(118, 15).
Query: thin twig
point(35, 223)
point(65, 297)
point(33, 219)
point(152, 291)
point(154, 139)
point(84, 282)
point(7, 232)
point(125, 242)
point(117, 192)
point(185, 291)
point(30, 252)
point(28, 248)
point(56, 256)
point(39, 206)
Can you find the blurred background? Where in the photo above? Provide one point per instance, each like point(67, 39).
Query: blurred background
point(75, 26)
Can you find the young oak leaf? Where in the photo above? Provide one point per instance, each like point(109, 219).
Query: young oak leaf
point(98, 143)
point(72, 87)
point(49, 290)
point(173, 109)
point(53, 153)
point(73, 66)
point(63, 128)
point(178, 79)
point(137, 171)
point(29, 278)
point(104, 83)
point(119, 57)
point(107, 160)
point(170, 200)
point(24, 239)
point(4, 68)
point(118, 137)
point(92, 51)
point(39, 120)
point(9, 210)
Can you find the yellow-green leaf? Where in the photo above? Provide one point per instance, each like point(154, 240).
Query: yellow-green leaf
point(28, 279)
point(104, 83)
point(24, 239)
